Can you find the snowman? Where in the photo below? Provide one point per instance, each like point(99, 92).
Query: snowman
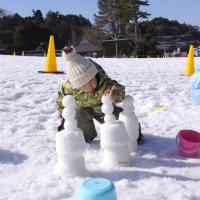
point(70, 144)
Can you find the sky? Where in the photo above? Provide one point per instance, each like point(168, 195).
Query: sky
point(184, 11)
point(29, 119)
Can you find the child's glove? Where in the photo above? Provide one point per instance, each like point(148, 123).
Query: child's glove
point(61, 126)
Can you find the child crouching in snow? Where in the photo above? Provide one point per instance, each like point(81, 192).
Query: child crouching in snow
point(87, 83)
point(195, 85)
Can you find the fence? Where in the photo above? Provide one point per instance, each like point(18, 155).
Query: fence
point(40, 53)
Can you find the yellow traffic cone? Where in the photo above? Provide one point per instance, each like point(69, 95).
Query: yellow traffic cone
point(189, 69)
point(51, 65)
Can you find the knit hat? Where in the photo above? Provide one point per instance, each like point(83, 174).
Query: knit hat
point(79, 69)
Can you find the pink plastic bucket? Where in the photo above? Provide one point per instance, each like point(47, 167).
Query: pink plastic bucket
point(188, 143)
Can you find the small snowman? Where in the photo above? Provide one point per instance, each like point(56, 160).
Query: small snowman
point(114, 138)
point(130, 121)
point(70, 144)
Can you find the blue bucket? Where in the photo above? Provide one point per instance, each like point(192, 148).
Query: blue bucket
point(97, 189)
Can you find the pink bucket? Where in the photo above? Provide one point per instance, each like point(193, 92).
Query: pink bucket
point(188, 143)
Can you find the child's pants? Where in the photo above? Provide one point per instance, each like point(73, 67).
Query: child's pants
point(84, 117)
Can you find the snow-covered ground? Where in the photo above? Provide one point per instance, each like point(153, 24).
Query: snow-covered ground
point(28, 124)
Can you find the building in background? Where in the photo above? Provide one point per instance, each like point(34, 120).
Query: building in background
point(87, 48)
point(120, 47)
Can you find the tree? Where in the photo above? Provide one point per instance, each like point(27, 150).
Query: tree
point(77, 25)
point(68, 29)
point(94, 35)
point(29, 36)
point(115, 15)
point(108, 21)
point(104, 20)
point(1, 13)
point(37, 17)
point(134, 13)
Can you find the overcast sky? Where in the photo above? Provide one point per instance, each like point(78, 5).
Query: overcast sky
point(184, 11)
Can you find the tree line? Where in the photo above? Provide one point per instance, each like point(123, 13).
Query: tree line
point(21, 34)
point(127, 17)
point(114, 18)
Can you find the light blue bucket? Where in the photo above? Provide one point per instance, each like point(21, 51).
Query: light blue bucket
point(97, 189)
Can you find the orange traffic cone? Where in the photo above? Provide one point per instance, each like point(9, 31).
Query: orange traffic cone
point(189, 69)
point(51, 65)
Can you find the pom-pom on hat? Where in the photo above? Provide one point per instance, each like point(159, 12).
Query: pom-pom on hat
point(79, 69)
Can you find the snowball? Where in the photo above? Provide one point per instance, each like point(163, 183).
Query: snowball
point(128, 101)
point(68, 101)
point(106, 100)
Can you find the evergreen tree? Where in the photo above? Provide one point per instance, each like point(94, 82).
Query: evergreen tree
point(115, 15)
point(133, 14)
point(29, 36)
point(2, 13)
point(37, 17)
point(68, 30)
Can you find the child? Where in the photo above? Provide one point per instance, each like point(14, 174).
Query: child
point(87, 83)
point(195, 85)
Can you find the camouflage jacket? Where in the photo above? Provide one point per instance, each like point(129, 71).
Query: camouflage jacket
point(88, 100)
